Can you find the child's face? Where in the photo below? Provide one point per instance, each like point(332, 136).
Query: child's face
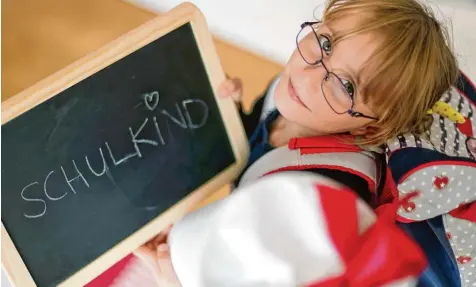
point(310, 108)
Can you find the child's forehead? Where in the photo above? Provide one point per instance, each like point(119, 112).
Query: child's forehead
point(351, 49)
point(354, 42)
point(344, 24)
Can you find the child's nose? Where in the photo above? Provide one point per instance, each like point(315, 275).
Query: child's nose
point(318, 72)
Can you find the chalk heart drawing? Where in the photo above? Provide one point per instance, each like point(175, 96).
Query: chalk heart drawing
point(151, 100)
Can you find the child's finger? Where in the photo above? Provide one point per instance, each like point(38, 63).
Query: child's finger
point(162, 237)
point(237, 90)
point(228, 87)
point(165, 265)
point(234, 85)
point(168, 272)
point(224, 90)
point(150, 245)
point(146, 255)
point(163, 251)
point(237, 84)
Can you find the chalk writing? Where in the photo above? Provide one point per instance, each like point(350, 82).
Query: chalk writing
point(151, 100)
point(189, 118)
point(124, 159)
point(158, 131)
point(180, 122)
point(33, 200)
point(136, 141)
point(80, 175)
point(104, 164)
point(46, 192)
point(181, 117)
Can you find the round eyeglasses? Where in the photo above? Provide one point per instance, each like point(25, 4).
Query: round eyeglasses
point(339, 93)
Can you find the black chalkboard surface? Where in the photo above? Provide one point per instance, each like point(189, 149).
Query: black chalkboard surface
point(96, 162)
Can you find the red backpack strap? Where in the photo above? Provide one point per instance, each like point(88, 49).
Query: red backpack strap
point(322, 144)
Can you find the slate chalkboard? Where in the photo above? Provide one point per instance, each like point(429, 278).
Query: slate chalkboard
point(91, 165)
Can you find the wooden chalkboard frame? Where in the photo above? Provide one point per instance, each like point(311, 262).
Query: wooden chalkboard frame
point(89, 65)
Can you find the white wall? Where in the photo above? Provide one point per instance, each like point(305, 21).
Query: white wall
point(269, 27)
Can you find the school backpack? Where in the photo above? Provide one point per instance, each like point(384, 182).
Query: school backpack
point(438, 171)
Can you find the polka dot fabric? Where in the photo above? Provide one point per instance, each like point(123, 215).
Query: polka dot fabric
point(440, 178)
point(440, 188)
point(461, 234)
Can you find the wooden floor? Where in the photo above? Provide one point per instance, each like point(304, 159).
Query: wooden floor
point(42, 37)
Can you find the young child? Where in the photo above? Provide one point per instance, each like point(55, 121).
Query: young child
point(375, 76)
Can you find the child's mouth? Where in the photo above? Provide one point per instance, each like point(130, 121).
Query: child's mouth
point(293, 94)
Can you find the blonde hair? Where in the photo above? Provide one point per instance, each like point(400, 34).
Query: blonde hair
point(412, 67)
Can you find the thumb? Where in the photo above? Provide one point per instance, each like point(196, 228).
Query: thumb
point(147, 255)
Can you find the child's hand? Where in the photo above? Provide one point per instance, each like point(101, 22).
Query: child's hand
point(155, 254)
point(231, 88)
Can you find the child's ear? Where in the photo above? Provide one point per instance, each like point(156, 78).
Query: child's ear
point(365, 130)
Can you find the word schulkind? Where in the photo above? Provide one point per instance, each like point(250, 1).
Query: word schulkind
point(33, 192)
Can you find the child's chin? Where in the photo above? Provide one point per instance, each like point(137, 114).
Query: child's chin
point(286, 108)
point(285, 104)
point(292, 112)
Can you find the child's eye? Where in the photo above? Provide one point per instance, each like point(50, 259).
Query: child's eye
point(325, 44)
point(348, 87)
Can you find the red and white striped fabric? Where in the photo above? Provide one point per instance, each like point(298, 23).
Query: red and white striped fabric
point(292, 229)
